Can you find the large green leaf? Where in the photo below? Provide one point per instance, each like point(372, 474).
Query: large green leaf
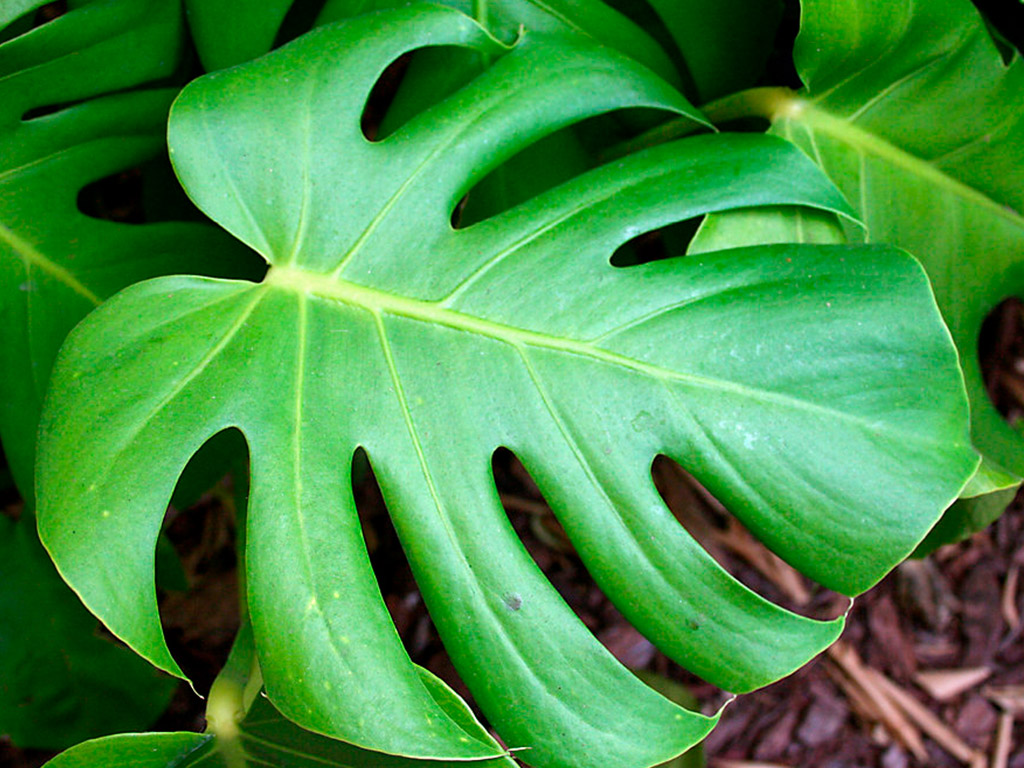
point(920, 122)
point(56, 264)
point(838, 436)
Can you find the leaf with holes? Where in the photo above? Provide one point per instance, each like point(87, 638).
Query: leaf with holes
point(920, 122)
point(57, 263)
point(62, 128)
point(814, 391)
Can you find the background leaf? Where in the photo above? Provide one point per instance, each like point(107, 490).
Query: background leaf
point(57, 263)
point(265, 739)
point(920, 122)
point(60, 130)
point(725, 44)
point(60, 681)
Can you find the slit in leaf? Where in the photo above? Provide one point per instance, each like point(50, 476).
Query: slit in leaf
point(724, 537)
point(549, 546)
point(657, 245)
point(396, 583)
point(1000, 353)
point(413, 83)
point(199, 543)
point(549, 162)
point(31, 19)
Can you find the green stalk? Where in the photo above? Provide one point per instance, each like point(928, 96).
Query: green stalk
point(480, 12)
point(240, 681)
point(769, 103)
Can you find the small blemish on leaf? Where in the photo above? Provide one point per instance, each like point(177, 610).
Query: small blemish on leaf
point(513, 601)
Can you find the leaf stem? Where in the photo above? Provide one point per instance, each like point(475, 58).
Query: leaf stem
point(480, 12)
point(769, 103)
point(240, 681)
point(231, 696)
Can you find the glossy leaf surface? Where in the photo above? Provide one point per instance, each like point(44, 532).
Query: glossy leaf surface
point(60, 679)
point(920, 122)
point(56, 263)
point(381, 327)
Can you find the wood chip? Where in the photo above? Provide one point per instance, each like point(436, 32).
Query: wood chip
point(947, 684)
point(523, 504)
point(925, 719)
point(859, 702)
point(736, 538)
point(1009, 697)
point(859, 676)
point(1004, 741)
point(1008, 599)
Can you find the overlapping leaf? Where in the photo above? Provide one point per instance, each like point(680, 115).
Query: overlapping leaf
point(244, 730)
point(56, 263)
point(229, 32)
point(725, 44)
point(59, 132)
point(814, 391)
point(60, 682)
point(920, 122)
point(264, 739)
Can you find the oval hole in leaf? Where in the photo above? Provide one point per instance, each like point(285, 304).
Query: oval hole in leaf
point(31, 19)
point(114, 198)
point(1000, 353)
point(549, 162)
point(731, 544)
point(200, 623)
point(657, 245)
point(413, 83)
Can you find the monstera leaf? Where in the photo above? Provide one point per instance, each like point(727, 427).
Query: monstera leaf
point(815, 391)
point(56, 264)
point(264, 739)
point(920, 121)
point(60, 682)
